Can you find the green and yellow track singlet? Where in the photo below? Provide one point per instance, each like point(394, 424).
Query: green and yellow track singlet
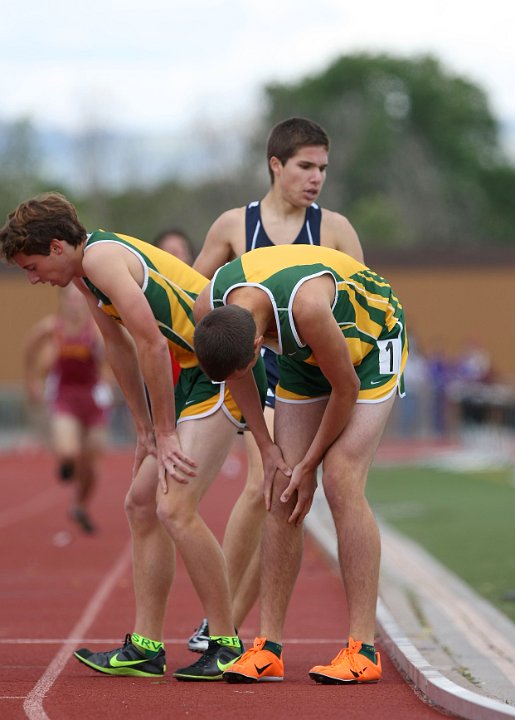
point(365, 307)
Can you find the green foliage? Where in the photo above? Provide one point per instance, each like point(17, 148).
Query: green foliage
point(415, 161)
point(19, 167)
point(381, 222)
point(145, 212)
point(409, 135)
point(499, 185)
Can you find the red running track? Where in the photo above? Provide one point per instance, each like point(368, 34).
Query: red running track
point(61, 590)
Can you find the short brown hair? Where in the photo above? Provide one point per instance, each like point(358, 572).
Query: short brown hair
point(32, 226)
point(288, 136)
point(224, 341)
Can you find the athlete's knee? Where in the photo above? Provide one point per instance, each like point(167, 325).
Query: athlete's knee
point(344, 483)
point(176, 517)
point(140, 506)
point(252, 493)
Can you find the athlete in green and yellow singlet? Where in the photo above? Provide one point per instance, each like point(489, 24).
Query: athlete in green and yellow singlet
point(171, 288)
point(142, 300)
point(339, 333)
point(365, 307)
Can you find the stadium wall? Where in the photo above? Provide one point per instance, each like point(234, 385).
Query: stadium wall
point(447, 306)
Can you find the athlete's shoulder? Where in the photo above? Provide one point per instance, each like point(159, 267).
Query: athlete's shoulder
point(228, 228)
point(337, 232)
point(232, 219)
point(225, 239)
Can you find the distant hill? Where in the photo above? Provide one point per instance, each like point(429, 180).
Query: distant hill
point(116, 161)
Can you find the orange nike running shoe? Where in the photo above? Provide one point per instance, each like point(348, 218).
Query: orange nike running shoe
point(348, 667)
point(256, 665)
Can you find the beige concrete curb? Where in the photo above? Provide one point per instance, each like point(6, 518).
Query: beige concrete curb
point(454, 647)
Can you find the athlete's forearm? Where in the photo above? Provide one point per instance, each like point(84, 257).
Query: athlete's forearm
point(154, 360)
point(245, 393)
point(123, 361)
point(334, 421)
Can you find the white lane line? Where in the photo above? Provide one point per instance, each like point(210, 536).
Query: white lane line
point(166, 641)
point(33, 704)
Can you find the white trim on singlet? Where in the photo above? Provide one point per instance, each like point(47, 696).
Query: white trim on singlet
point(256, 233)
point(310, 236)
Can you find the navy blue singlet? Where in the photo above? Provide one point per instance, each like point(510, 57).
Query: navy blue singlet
point(255, 233)
point(255, 237)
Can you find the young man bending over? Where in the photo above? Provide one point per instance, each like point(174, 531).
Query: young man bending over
point(338, 331)
point(142, 300)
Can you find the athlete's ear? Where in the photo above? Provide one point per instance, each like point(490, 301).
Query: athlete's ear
point(275, 164)
point(56, 246)
point(258, 344)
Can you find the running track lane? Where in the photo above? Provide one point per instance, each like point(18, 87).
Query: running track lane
point(61, 590)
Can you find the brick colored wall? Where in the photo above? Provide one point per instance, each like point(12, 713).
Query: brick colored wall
point(20, 307)
point(449, 307)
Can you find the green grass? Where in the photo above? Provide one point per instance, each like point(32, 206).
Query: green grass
point(465, 520)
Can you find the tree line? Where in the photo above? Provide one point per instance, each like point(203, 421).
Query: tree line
point(416, 161)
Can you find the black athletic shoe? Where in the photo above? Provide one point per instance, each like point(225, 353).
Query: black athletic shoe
point(199, 641)
point(212, 664)
point(83, 520)
point(127, 660)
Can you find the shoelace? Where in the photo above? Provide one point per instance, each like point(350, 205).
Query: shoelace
point(205, 659)
point(258, 645)
point(352, 649)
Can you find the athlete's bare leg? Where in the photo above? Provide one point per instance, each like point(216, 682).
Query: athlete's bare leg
point(345, 472)
point(66, 438)
point(281, 544)
point(92, 447)
point(76, 454)
point(208, 440)
point(153, 553)
point(241, 543)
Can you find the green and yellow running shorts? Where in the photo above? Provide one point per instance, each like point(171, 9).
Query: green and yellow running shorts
point(380, 373)
point(196, 396)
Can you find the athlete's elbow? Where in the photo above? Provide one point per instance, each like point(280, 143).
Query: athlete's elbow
point(353, 386)
point(347, 389)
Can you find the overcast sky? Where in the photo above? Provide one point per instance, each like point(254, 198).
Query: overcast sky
point(154, 65)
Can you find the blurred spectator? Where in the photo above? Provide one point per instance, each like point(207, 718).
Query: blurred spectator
point(414, 408)
point(440, 372)
point(64, 369)
point(475, 364)
point(176, 242)
point(470, 384)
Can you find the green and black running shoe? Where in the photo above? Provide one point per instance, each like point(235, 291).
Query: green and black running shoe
point(127, 660)
point(213, 663)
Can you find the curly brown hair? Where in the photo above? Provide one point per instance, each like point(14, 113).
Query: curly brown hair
point(32, 226)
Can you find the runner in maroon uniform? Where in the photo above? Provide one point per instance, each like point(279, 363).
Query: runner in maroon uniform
point(76, 395)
